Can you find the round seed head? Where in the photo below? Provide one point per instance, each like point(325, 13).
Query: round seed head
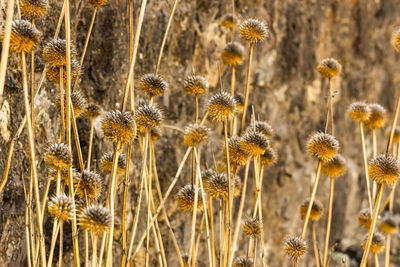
point(335, 167)
point(92, 111)
point(378, 241)
point(195, 85)
point(217, 186)
point(207, 175)
point(89, 185)
point(364, 218)
point(384, 169)
point(64, 175)
point(58, 156)
point(155, 133)
point(242, 261)
point(253, 30)
point(221, 107)
point(395, 40)
point(186, 197)
point(229, 21)
point(396, 134)
point(252, 227)
point(322, 146)
point(33, 9)
point(254, 143)
point(261, 127)
point(377, 117)
point(55, 52)
point(97, 3)
point(53, 73)
point(359, 112)
point(317, 209)
point(237, 155)
point(388, 225)
point(78, 101)
point(232, 55)
point(329, 67)
point(295, 247)
point(195, 134)
point(239, 102)
point(95, 219)
point(61, 208)
point(24, 36)
point(269, 157)
point(153, 85)
point(147, 117)
point(106, 163)
point(119, 127)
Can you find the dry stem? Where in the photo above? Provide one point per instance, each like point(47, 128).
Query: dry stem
point(247, 90)
point(315, 245)
point(366, 167)
point(329, 220)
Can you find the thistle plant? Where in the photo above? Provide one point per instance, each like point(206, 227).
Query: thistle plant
point(295, 247)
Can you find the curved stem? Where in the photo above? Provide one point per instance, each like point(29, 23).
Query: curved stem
point(328, 223)
point(315, 245)
point(247, 90)
point(366, 167)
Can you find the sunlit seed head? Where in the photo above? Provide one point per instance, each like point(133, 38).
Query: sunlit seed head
point(24, 36)
point(232, 55)
point(254, 143)
point(61, 207)
point(295, 247)
point(237, 155)
point(153, 85)
point(106, 163)
point(322, 146)
point(92, 111)
point(269, 157)
point(317, 209)
point(359, 111)
point(55, 52)
point(377, 244)
point(252, 227)
point(242, 261)
point(221, 107)
point(53, 73)
point(88, 185)
point(364, 218)
point(377, 117)
point(388, 225)
point(97, 3)
point(195, 134)
point(33, 9)
point(229, 21)
point(335, 167)
point(96, 219)
point(262, 127)
point(185, 198)
point(395, 40)
point(206, 176)
point(119, 127)
point(195, 85)
point(329, 67)
point(58, 156)
point(384, 169)
point(253, 30)
point(147, 117)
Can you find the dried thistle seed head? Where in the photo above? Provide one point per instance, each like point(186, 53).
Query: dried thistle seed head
point(242, 261)
point(317, 209)
point(92, 111)
point(377, 117)
point(378, 241)
point(262, 127)
point(364, 218)
point(335, 167)
point(388, 225)
point(106, 163)
point(33, 9)
point(153, 85)
point(395, 40)
point(329, 67)
point(359, 111)
point(252, 227)
point(195, 85)
point(239, 102)
point(97, 3)
point(206, 176)
point(58, 156)
point(221, 107)
point(254, 143)
point(237, 155)
point(322, 146)
point(295, 247)
point(253, 30)
point(396, 134)
point(95, 219)
point(217, 186)
point(195, 134)
point(232, 55)
point(147, 117)
point(186, 197)
point(155, 133)
point(78, 101)
point(53, 73)
point(88, 185)
point(61, 207)
point(64, 175)
point(384, 169)
point(269, 157)
point(229, 21)
point(24, 36)
point(55, 52)
point(119, 127)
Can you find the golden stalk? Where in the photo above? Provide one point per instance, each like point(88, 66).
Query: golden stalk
point(62, 108)
point(315, 245)
point(60, 255)
point(376, 259)
point(387, 250)
point(33, 83)
point(394, 122)
point(194, 217)
point(233, 14)
point(6, 46)
point(56, 228)
point(91, 143)
point(76, 137)
point(86, 248)
point(366, 166)
point(27, 225)
point(329, 220)
point(94, 250)
point(103, 244)
point(230, 192)
point(247, 90)
point(221, 232)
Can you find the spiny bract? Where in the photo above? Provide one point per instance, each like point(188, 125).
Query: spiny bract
point(384, 169)
point(106, 163)
point(186, 198)
point(242, 261)
point(79, 103)
point(237, 155)
point(232, 55)
point(254, 143)
point(153, 85)
point(317, 209)
point(221, 107)
point(95, 219)
point(88, 185)
point(269, 157)
point(92, 111)
point(33, 9)
point(253, 30)
point(329, 67)
point(364, 218)
point(378, 241)
point(119, 127)
point(359, 111)
point(61, 207)
point(195, 85)
point(377, 116)
point(262, 127)
point(55, 52)
point(295, 247)
point(53, 73)
point(58, 156)
point(322, 146)
point(195, 134)
point(24, 36)
point(335, 167)
point(147, 117)
point(252, 227)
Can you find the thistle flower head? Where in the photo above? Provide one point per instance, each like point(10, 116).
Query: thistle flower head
point(395, 40)
point(195, 85)
point(239, 102)
point(242, 261)
point(106, 163)
point(88, 185)
point(253, 30)
point(95, 219)
point(207, 175)
point(232, 55)
point(153, 85)
point(377, 117)
point(55, 52)
point(252, 227)
point(186, 197)
point(221, 107)
point(217, 186)
point(155, 133)
point(237, 155)
point(195, 134)
point(269, 157)
point(119, 127)
point(295, 247)
point(92, 111)
point(322, 146)
point(254, 143)
point(317, 209)
point(53, 73)
point(147, 117)
point(384, 169)
point(61, 207)
point(64, 175)
point(359, 111)
point(262, 127)
point(229, 21)
point(335, 167)
point(97, 3)
point(396, 134)
point(33, 9)
point(58, 156)
point(364, 218)
point(378, 241)
point(24, 36)
point(329, 67)
point(388, 225)
point(78, 101)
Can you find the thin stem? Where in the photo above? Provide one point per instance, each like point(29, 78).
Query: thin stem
point(8, 163)
point(247, 90)
point(76, 137)
point(94, 250)
point(103, 244)
point(230, 192)
point(149, 196)
point(197, 108)
point(366, 167)
point(233, 80)
point(60, 255)
point(374, 153)
point(62, 106)
point(255, 252)
point(376, 259)
point(90, 143)
point(315, 245)
point(86, 248)
point(233, 28)
point(6, 46)
point(388, 199)
point(387, 250)
point(394, 122)
point(329, 220)
point(27, 225)
point(33, 83)
point(53, 242)
point(331, 108)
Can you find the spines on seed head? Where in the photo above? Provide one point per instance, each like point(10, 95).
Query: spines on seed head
point(335, 167)
point(317, 209)
point(92, 111)
point(97, 3)
point(33, 9)
point(262, 127)
point(322, 146)
point(61, 208)
point(295, 247)
point(79, 103)
point(58, 157)
point(55, 52)
point(64, 175)
point(252, 227)
point(155, 133)
point(221, 107)
point(253, 30)
point(377, 244)
point(24, 36)
point(232, 55)
point(359, 111)
point(147, 117)
point(106, 163)
point(96, 219)
point(329, 67)
point(364, 218)
point(53, 73)
point(242, 261)
point(376, 119)
point(186, 198)
point(384, 169)
point(239, 102)
point(269, 157)
point(119, 127)
point(237, 155)
point(153, 85)
point(254, 143)
point(195, 85)
point(195, 134)
point(395, 40)
point(88, 185)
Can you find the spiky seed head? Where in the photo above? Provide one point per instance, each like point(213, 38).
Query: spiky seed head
point(237, 155)
point(195, 85)
point(232, 55)
point(96, 219)
point(239, 102)
point(106, 163)
point(317, 209)
point(395, 40)
point(153, 85)
point(253, 30)
point(269, 157)
point(388, 225)
point(58, 156)
point(322, 146)
point(147, 117)
point(229, 21)
point(359, 111)
point(55, 52)
point(254, 143)
point(33, 9)
point(221, 107)
point(252, 227)
point(384, 169)
point(119, 127)
point(329, 67)
point(97, 3)
point(377, 244)
point(195, 134)
point(78, 101)
point(364, 218)
point(295, 247)
point(155, 133)
point(242, 261)
point(53, 73)
point(335, 167)
point(217, 186)
point(24, 36)
point(262, 127)
point(377, 116)
point(64, 175)
point(88, 185)
point(61, 207)
point(396, 134)
point(92, 111)
point(186, 197)
point(206, 176)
